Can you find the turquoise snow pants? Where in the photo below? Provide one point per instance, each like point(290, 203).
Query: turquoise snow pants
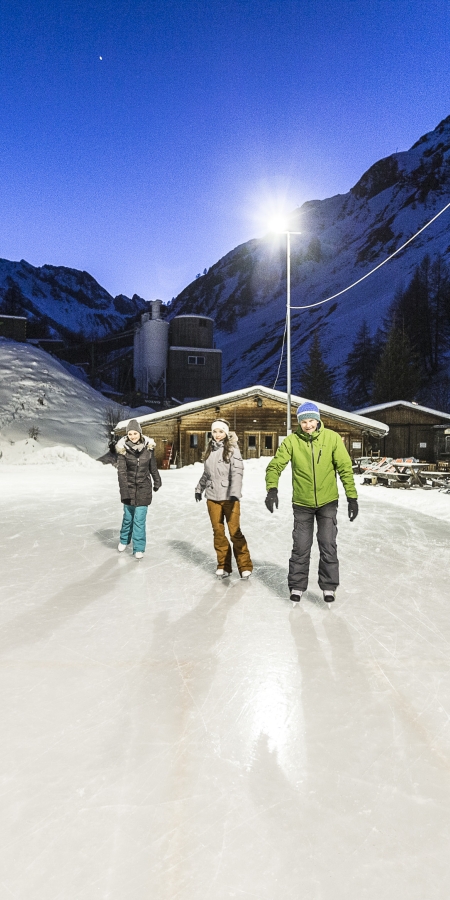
point(133, 527)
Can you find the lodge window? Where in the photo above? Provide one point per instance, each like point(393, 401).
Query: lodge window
point(268, 442)
point(196, 360)
point(193, 440)
point(252, 440)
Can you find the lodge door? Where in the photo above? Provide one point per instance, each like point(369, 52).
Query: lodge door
point(259, 443)
point(194, 447)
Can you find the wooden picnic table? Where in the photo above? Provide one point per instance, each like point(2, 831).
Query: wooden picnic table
point(410, 471)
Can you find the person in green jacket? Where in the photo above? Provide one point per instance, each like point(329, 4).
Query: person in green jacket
point(316, 454)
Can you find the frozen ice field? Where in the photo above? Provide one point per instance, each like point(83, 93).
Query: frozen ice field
point(168, 737)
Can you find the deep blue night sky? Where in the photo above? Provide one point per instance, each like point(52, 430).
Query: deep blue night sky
point(146, 166)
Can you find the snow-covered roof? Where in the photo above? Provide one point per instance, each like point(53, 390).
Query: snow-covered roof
point(392, 403)
point(370, 425)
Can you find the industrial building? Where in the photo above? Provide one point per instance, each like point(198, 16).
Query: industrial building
point(13, 327)
point(257, 415)
point(176, 359)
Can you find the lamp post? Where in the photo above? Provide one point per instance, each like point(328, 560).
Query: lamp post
point(288, 327)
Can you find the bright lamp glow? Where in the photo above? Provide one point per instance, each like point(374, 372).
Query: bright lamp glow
point(278, 224)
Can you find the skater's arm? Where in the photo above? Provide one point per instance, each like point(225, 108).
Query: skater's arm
point(122, 476)
point(282, 457)
point(343, 464)
point(202, 483)
point(236, 475)
point(155, 472)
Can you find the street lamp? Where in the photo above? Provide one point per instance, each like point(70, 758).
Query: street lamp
point(277, 227)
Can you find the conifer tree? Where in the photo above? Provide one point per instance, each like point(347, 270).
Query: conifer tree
point(359, 368)
point(398, 374)
point(316, 377)
point(422, 310)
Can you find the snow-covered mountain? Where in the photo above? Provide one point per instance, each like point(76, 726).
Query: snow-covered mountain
point(64, 300)
point(341, 239)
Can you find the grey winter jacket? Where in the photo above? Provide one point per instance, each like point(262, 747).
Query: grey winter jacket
point(136, 467)
point(221, 480)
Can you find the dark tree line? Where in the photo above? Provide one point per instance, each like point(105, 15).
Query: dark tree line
point(406, 359)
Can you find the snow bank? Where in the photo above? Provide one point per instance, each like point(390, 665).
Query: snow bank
point(29, 452)
point(37, 392)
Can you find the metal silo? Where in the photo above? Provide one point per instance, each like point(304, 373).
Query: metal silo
point(151, 350)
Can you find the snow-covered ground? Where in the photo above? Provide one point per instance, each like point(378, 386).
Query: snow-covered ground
point(37, 391)
point(171, 737)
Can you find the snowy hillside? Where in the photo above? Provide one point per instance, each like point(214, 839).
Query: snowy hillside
point(36, 391)
point(64, 300)
point(341, 239)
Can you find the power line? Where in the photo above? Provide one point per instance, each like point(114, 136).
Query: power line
point(282, 351)
point(367, 275)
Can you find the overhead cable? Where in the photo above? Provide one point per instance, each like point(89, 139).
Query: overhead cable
point(281, 355)
point(367, 275)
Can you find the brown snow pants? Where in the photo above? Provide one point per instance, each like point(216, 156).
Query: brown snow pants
point(229, 510)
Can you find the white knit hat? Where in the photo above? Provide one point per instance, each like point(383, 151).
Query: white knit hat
point(221, 425)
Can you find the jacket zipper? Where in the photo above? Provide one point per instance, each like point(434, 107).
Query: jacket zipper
point(314, 469)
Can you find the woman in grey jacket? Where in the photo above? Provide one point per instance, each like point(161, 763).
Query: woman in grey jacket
point(222, 483)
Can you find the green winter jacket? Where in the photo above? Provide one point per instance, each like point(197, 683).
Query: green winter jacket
point(315, 459)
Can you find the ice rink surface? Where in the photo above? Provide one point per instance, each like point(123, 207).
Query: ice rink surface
point(168, 737)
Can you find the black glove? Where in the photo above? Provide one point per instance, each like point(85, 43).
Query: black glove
point(156, 488)
point(353, 508)
point(234, 499)
point(198, 497)
point(271, 499)
point(127, 502)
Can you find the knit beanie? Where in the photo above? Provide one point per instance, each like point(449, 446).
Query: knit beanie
point(222, 425)
point(133, 425)
point(308, 410)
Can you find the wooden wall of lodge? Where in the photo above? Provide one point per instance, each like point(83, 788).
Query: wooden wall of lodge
point(246, 418)
point(408, 429)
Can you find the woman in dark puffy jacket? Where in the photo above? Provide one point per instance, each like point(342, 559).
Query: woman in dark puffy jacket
point(222, 483)
point(136, 468)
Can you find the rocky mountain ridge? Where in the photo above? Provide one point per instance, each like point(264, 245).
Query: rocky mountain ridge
point(60, 302)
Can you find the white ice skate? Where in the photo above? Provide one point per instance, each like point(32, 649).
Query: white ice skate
point(138, 555)
point(295, 596)
point(222, 574)
point(245, 574)
point(121, 547)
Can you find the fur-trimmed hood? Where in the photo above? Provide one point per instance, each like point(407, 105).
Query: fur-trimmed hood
point(148, 442)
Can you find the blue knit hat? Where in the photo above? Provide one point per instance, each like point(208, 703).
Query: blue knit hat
point(308, 410)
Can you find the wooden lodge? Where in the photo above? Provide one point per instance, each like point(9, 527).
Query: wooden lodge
point(257, 415)
point(413, 430)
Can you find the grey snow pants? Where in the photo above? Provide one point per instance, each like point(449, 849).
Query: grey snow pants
point(303, 534)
